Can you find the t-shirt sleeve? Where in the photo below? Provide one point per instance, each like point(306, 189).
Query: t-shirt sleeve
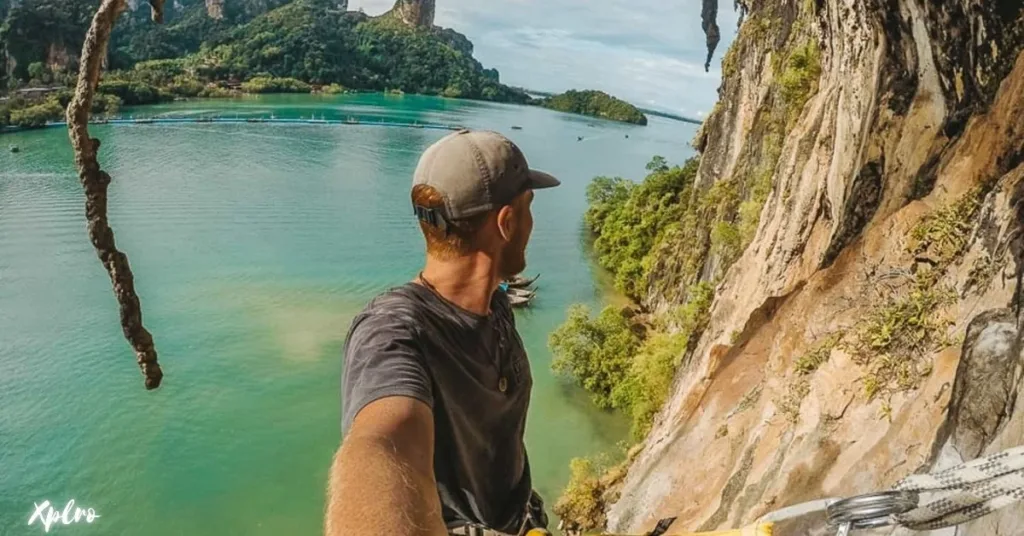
point(381, 359)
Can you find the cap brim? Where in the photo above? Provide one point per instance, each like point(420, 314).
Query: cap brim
point(538, 180)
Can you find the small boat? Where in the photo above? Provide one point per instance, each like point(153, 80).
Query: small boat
point(517, 127)
point(15, 149)
point(521, 293)
point(517, 301)
point(521, 282)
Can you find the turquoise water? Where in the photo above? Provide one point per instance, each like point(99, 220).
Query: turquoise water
point(253, 247)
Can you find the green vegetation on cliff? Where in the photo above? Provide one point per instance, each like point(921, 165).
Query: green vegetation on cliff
point(595, 104)
point(625, 365)
point(629, 220)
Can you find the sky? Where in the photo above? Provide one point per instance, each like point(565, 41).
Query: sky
point(648, 52)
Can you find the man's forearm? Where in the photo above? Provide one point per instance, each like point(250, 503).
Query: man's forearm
point(373, 491)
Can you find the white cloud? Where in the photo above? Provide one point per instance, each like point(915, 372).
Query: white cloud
point(649, 52)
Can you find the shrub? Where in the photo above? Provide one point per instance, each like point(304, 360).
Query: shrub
point(581, 505)
point(159, 72)
point(620, 369)
point(646, 385)
point(726, 241)
point(334, 89)
point(595, 352)
point(789, 403)
point(184, 86)
point(896, 337)
point(266, 84)
point(944, 234)
point(214, 92)
point(37, 115)
point(818, 355)
point(38, 72)
point(605, 194)
point(105, 104)
point(130, 93)
point(799, 79)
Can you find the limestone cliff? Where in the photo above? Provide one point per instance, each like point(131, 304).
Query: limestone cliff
point(871, 324)
point(215, 9)
point(416, 13)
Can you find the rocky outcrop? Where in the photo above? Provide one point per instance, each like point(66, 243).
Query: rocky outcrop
point(415, 13)
point(871, 327)
point(215, 9)
point(709, 23)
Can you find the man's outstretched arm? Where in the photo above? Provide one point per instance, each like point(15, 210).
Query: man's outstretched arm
point(382, 480)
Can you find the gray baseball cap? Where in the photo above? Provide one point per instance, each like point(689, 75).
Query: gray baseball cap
point(475, 172)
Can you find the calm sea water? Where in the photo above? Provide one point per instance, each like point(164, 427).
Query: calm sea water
point(253, 247)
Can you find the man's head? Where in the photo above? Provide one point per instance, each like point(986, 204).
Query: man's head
point(472, 193)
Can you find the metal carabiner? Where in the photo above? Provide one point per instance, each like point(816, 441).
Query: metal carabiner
point(869, 511)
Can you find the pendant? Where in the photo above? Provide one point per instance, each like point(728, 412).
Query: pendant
point(502, 384)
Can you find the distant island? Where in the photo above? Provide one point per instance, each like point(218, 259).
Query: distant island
point(595, 104)
point(250, 46)
point(668, 115)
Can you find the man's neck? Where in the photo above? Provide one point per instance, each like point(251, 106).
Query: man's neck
point(468, 282)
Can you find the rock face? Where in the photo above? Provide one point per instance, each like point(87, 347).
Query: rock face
point(215, 9)
point(415, 13)
point(873, 326)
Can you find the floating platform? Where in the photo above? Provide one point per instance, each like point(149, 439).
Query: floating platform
point(251, 120)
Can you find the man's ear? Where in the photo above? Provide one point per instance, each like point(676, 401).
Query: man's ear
point(506, 222)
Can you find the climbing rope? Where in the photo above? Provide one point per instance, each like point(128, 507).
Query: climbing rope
point(976, 488)
point(962, 493)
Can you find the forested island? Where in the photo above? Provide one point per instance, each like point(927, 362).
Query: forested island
point(595, 104)
point(249, 46)
point(256, 46)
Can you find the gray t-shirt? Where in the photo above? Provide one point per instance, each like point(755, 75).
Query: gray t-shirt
point(473, 372)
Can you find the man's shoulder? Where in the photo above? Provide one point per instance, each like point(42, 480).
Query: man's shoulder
point(396, 305)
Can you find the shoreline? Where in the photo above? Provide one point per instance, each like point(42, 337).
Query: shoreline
point(10, 129)
point(235, 120)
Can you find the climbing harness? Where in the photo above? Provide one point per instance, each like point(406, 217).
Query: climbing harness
point(954, 496)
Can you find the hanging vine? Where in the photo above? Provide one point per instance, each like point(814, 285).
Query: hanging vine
point(95, 181)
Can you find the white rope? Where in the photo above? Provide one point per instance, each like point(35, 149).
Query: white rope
point(976, 488)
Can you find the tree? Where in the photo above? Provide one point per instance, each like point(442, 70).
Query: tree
point(38, 72)
point(38, 115)
point(657, 164)
point(595, 352)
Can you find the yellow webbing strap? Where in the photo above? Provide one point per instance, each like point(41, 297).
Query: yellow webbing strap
point(759, 529)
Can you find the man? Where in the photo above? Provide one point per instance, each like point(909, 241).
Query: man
point(436, 382)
